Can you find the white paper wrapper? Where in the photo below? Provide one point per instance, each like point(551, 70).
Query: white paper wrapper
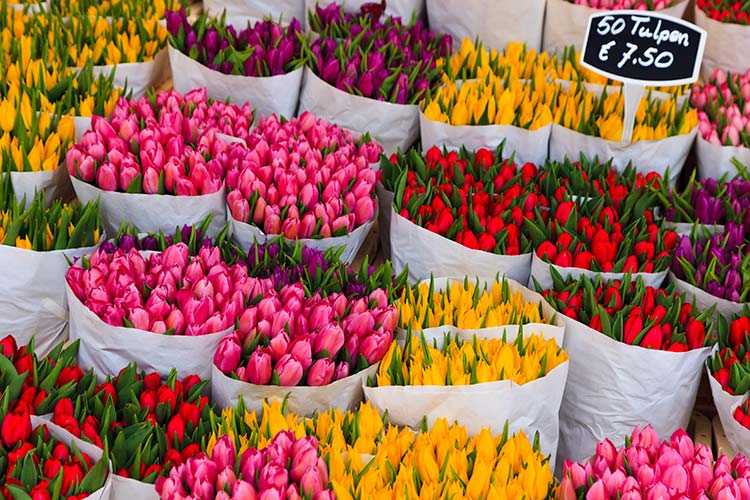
point(532, 406)
point(393, 126)
point(540, 271)
point(152, 213)
point(33, 302)
point(345, 394)
point(55, 183)
point(565, 23)
point(726, 45)
point(612, 387)
point(495, 23)
point(266, 95)
point(124, 488)
point(715, 161)
point(647, 156)
point(140, 76)
point(385, 201)
point(107, 349)
point(246, 234)
point(33, 7)
point(427, 253)
point(103, 493)
point(240, 12)
point(704, 300)
point(529, 145)
point(82, 125)
point(400, 8)
point(738, 436)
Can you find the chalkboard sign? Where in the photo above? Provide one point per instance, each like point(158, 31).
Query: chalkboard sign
point(643, 47)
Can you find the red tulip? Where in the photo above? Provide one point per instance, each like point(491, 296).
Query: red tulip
point(16, 427)
point(653, 339)
point(176, 426)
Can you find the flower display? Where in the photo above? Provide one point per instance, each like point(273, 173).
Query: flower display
point(707, 202)
point(32, 142)
point(730, 366)
point(34, 226)
point(629, 312)
point(717, 264)
point(263, 49)
point(602, 239)
point(477, 199)
point(39, 465)
point(132, 9)
point(169, 292)
point(601, 115)
point(288, 467)
point(492, 101)
point(464, 363)
point(288, 339)
point(32, 384)
point(649, 468)
point(387, 61)
point(157, 147)
point(132, 413)
point(303, 178)
point(465, 305)
point(725, 11)
point(723, 105)
point(473, 61)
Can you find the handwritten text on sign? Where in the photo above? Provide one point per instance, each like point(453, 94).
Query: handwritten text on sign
point(644, 47)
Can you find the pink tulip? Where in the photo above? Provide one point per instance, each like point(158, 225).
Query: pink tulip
point(321, 372)
point(244, 491)
point(223, 453)
point(278, 346)
point(273, 476)
point(301, 350)
point(227, 357)
point(289, 371)
point(329, 340)
point(106, 177)
point(259, 368)
point(226, 479)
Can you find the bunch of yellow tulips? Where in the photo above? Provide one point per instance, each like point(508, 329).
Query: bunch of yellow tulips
point(467, 363)
point(33, 226)
point(474, 61)
point(133, 9)
point(601, 115)
point(368, 458)
point(465, 305)
point(492, 101)
point(444, 462)
point(31, 141)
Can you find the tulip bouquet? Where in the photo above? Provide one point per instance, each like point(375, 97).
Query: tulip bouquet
point(723, 105)
point(474, 382)
point(146, 425)
point(714, 268)
point(515, 62)
point(503, 465)
point(37, 463)
point(116, 9)
point(558, 35)
point(288, 338)
point(596, 239)
point(168, 301)
point(362, 67)
point(589, 180)
point(35, 245)
point(492, 110)
point(306, 179)
point(648, 468)
point(451, 207)
point(483, 102)
point(725, 11)
point(589, 123)
point(158, 145)
point(467, 306)
point(289, 467)
point(709, 203)
point(246, 66)
point(638, 334)
point(34, 384)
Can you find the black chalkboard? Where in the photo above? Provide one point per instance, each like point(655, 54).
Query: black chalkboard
point(643, 47)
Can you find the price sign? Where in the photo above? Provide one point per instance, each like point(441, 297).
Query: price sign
point(641, 48)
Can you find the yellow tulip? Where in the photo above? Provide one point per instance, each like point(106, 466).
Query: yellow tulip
point(7, 115)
